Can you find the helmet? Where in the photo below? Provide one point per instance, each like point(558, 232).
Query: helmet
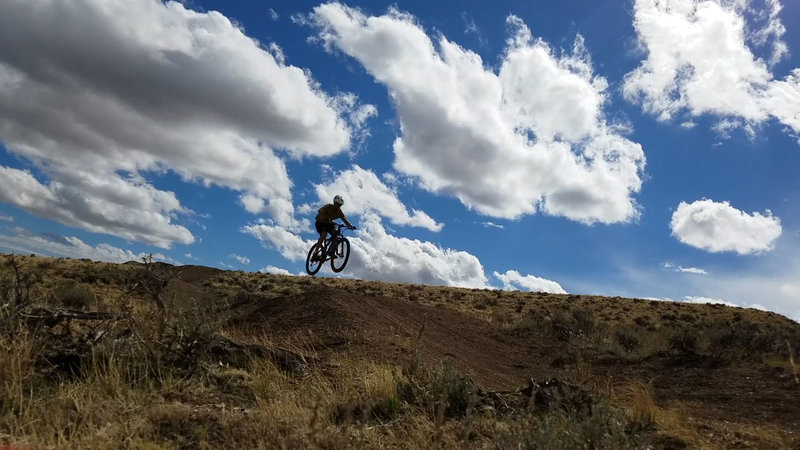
point(338, 200)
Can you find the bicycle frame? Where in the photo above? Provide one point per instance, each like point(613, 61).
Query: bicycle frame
point(317, 256)
point(334, 234)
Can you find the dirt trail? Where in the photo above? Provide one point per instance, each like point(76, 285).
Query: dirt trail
point(386, 330)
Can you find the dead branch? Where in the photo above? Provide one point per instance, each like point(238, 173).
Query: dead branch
point(52, 317)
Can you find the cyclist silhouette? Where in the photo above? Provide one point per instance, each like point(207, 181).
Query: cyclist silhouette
point(325, 217)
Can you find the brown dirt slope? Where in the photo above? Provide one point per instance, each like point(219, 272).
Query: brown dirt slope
point(388, 329)
point(332, 320)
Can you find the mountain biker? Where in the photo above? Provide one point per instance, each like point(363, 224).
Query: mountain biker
point(325, 217)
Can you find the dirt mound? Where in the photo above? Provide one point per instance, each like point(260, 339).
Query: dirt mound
point(392, 329)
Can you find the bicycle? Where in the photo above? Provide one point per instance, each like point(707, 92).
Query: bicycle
point(341, 251)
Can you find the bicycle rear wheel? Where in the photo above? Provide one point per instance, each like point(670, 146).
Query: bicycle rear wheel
point(342, 255)
point(314, 264)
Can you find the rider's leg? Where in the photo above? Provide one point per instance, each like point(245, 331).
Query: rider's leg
point(321, 238)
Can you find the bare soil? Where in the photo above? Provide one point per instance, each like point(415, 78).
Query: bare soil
point(328, 321)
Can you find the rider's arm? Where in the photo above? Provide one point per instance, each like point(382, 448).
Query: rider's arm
point(346, 222)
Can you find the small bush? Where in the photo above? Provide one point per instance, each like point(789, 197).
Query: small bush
point(643, 321)
point(687, 342)
point(445, 392)
point(745, 339)
point(73, 295)
point(584, 321)
point(607, 427)
point(627, 340)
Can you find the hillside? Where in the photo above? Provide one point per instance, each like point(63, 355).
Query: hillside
point(148, 355)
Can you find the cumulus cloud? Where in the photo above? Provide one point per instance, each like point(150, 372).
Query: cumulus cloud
point(365, 193)
point(291, 246)
point(700, 60)
point(23, 241)
point(719, 227)
point(513, 280)
point(378, 255)
point(103, 204)
point(274, 270)
point(95, 89)
point(528, 137)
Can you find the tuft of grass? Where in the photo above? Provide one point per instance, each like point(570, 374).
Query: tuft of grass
point(73, 295)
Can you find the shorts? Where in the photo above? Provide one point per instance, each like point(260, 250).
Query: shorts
point(323, 227)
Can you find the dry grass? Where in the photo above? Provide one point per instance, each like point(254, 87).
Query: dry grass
point(152, 383)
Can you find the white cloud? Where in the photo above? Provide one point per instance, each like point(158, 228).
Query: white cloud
point(700, 60)
point(242, 259)
point(659, 299)
point(513, 280)
point(377, 255)
point(719, 227)
point(768, 30)
point(49, 244)
point(274, 270)
point(273, 14)
point(93, 89)
point(529, 137)
point(694, 270)
point(6, 218)
point(364, 193)
point(492, 225)
point(102, 204)
point(288, 244)
point(693, 299)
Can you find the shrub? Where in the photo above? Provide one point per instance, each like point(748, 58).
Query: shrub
point(607, 427)
point(684, 343)
point(445, 392)
point(73, 295)
point(627, 340)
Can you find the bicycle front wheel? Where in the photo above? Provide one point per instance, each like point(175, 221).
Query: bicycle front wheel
point(314, 260)
point(342, 255)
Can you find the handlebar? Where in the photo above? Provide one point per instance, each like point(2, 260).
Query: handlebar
point(339, 226)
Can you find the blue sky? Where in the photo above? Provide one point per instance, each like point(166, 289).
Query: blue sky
point(634, 148)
